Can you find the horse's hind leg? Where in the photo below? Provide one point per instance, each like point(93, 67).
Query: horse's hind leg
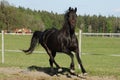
point(49, 52)
point(50, 60)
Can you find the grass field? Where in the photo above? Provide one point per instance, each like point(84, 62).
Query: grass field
point(97, 55)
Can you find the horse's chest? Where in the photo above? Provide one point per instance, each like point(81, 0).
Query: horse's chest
point(67, 42)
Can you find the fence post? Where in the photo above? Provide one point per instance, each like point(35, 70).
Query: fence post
point(2, 46)
point(80, 39)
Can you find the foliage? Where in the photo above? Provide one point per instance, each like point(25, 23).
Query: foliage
point(12, 17)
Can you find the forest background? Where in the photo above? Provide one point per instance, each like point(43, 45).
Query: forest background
point(12, 18)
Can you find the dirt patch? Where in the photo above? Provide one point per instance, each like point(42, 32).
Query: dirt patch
point(37, 73)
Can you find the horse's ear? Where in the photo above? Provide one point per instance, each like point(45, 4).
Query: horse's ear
point(75, 9)
point(69, 8)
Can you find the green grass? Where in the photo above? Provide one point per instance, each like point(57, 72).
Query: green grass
point(17, 42)
point(98, 60)
point(101, 45)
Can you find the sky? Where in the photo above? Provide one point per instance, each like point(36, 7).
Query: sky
point(84, 7)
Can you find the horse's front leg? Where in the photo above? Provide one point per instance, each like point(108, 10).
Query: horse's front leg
point(72, 66)
point(80, 62)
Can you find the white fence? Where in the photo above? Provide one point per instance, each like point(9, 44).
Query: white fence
point(80, 34)
point(102, 34)
point(2, 46)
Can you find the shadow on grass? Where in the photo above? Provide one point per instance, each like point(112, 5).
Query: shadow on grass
point(47, 70)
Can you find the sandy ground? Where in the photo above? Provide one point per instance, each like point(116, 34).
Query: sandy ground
point(37, 73)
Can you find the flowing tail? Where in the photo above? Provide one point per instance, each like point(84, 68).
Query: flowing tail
point(34, 40)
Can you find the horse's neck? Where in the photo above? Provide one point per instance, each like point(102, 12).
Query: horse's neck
point(67, 29)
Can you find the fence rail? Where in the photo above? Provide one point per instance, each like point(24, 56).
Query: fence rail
point(85, 34)
point(80, 34)
point(101, 34)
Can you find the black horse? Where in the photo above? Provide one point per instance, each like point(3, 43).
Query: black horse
point(63, 40)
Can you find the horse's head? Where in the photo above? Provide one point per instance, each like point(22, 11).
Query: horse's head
point(71, 16)
point(70, 19)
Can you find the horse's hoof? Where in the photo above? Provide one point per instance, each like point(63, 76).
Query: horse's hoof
point(81, 76)
point(72, 71)
point(68, 75)
point(60, 70)
point(85, 74)
point(58, 74)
